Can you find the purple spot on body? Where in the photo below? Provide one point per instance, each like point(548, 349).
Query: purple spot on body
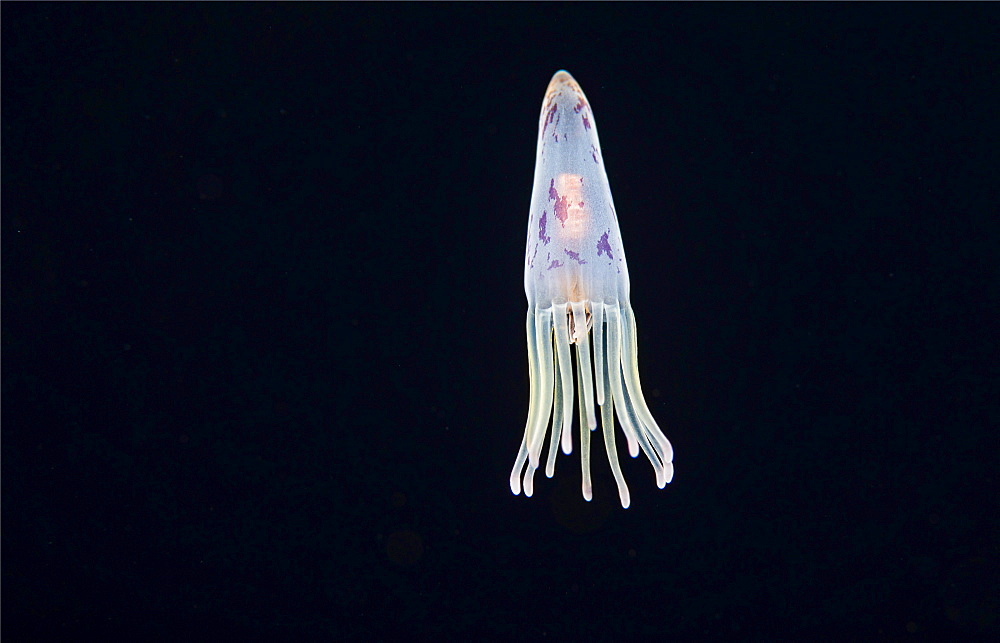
point(586, 122)
point(555, 264)
point(562, 210)
point(575, 256)
point(593, 153)
point(604, 246)
point(549, 117)
point(541, 228)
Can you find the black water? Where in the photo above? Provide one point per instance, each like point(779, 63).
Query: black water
point(263, 349)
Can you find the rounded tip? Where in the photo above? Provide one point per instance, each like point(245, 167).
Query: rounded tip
point(668, 473)
point(562, 77)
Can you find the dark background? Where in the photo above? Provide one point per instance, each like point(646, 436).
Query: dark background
point(263, 349)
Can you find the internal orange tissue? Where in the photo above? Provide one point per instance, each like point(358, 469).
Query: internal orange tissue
point(570, 208)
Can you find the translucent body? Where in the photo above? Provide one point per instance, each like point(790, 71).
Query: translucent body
point(576, 282)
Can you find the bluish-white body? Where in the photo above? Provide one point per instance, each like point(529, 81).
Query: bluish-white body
point(576, 282)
